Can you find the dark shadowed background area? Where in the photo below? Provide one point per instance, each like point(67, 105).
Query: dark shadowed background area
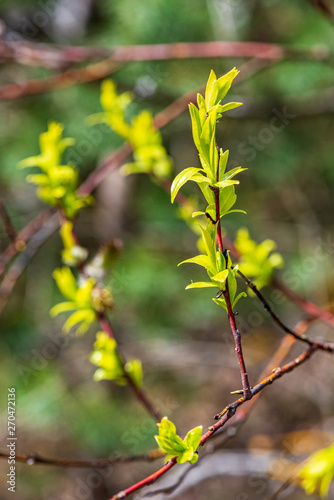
point(284, 136)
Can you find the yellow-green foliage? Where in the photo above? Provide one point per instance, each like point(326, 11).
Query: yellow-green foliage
point(214, 182)
point(73, 254)
point(79, 300)
point(256, 260)
point(106, 356)
point(149, 155)
point(169, 442)
point(57, 183)
point(318, 472)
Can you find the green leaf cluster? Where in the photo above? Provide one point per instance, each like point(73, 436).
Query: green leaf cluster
point(218, 268)
point(149, 155)
point(256, 260)
point(105, 355)
point(318, 472)
point(216, 184)
point(212, 174)
point(86, 299)
point(57, 183)
point(169, 442)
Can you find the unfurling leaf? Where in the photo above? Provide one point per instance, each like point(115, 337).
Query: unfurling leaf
point(169, 442)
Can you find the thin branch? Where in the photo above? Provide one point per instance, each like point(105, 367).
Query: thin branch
point(36, 459)
point(58, 56)
point(325, 346)
point(91, 73)
point(139, 392)
point(297, 299)
point(224, 417)
point(23, 237)
point(304, 304)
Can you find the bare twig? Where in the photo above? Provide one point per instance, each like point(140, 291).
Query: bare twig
point(60, 56)
point(91, 73)
point(325, 346)
point(36, 459)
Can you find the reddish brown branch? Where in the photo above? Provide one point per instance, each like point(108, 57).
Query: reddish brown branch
point(224, 417)
point(324, 346)
point(58, 56)
point(277, 373)
point(91, 73)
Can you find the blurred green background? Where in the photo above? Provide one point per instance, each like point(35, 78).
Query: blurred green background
point(181, 337)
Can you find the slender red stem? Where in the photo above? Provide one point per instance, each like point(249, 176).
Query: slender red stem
point(231, 316)
point(148, 480)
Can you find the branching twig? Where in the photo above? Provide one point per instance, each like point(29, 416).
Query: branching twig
point(325, 346)
point(224, 417)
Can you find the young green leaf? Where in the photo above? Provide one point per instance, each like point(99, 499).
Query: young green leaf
point(224, 184)
point(221, 276)
point(169, 442)
point(183, 177)
point(196, 125)
point(200, 260)
point(229, 106)
point(201, 284)
point(224, 83)
point(211, 91)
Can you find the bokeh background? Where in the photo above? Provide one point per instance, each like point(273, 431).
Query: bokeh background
point(181, 337)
